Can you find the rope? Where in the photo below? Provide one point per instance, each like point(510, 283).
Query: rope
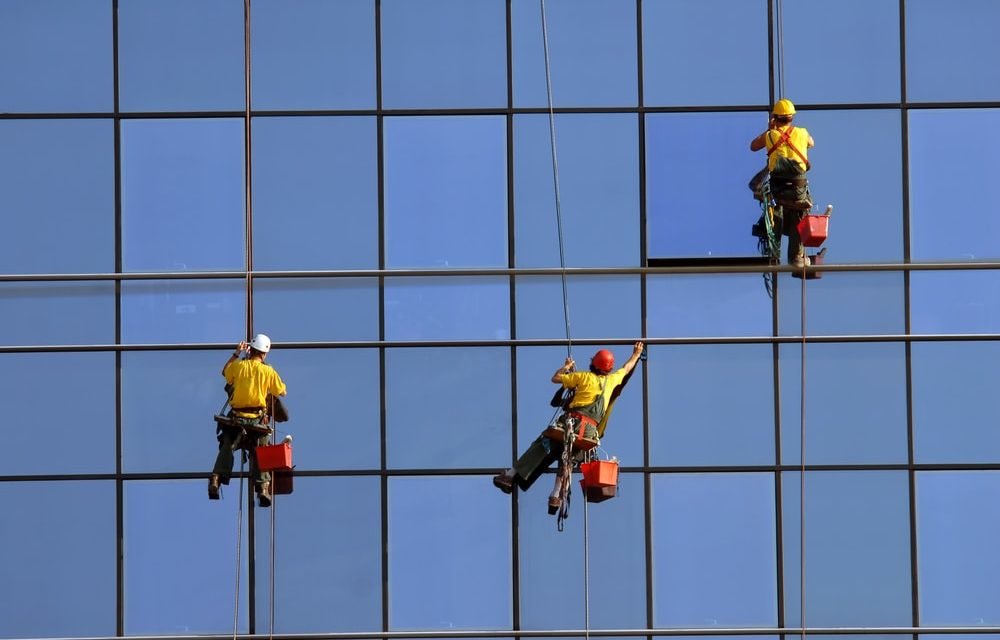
point(239, 549)
point(270, 631)
point(802, 467)
point(247, 166)
point(586, 573)
point(781, 48)
point(555, 177)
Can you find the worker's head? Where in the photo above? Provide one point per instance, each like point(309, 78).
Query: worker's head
point(260, 344)
point(783, 110)
point(602, 362)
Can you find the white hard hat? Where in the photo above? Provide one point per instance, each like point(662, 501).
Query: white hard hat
point(261, 343)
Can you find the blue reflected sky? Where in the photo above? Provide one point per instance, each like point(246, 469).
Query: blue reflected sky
point(456, 181)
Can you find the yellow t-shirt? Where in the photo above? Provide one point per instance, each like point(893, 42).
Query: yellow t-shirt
point(588, 385)
point(252, 381)
point(799, 137)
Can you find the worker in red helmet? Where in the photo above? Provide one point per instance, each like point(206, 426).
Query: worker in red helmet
point(787, 163)
point(250, 382)
point(592, 392)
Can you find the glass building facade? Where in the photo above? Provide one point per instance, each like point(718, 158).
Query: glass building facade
point(371, 183)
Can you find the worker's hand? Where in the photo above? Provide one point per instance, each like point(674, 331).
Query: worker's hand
point(638, 347)
point(569, 365)
point(241, 348)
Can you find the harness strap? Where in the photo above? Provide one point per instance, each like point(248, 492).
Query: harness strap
point(785, 139)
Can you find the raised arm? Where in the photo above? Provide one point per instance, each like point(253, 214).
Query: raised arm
point(240, 348)
point(634, 358)
point(566, 368)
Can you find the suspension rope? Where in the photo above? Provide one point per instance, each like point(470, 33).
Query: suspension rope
point(239, 549)
point(270, 631)
point(780, 48)
point(555, 177)
point(802, 464)
point(247, 168)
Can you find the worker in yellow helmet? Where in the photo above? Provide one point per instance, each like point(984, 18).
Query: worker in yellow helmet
point(787, 163)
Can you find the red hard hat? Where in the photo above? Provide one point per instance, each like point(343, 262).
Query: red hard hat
point(603, 361)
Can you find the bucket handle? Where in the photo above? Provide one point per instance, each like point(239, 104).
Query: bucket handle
point(595, 454)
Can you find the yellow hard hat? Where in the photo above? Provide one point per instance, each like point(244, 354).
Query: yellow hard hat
point(784, 107)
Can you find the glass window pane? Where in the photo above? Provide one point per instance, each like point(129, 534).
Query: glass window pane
point(345, 435)
point(60, 560)
point(470, 429)
point(869, 428)
point(59, 230)
point(592, 53)
point(541, 314)
point(697, 202)
point(167, 585)
point(707, 305)
point(446, 191)
point(182, 55)
point(48, 445)
point(867, 223)
point(55, 55)
point(599, 190)
point(328, 579)
point(714, 567)
point(183, 311)
point(617, 588)
point(738, 67)
point(844, 51)
point(452, 308)
point(40, 313)
point(313, 309)
point(535, 365)
point(954, 301)
point(437, 517)
point(719, 409)
point(942, 36)
point(168, 400)
point(315, 192)
point(857, 564)
point(182, 195)
point(313, 54)
point(954, 402)
point(957, 555)
point(939, 185)
point(842, 304)
point(444, 53)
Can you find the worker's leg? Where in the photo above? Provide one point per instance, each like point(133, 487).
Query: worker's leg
point(538, 457)
point(224, 461)
point(262, 479)
point(796, 252)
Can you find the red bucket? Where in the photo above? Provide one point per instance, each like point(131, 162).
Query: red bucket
point(275, 457)
point(813, 229)
point(599, 473)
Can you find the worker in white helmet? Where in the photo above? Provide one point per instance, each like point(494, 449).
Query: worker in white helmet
point(251, 382)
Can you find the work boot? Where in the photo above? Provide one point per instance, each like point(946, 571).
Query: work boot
point(213, 487)
point(801, 261)
point(503, 482)
point(264, 494)
point(554, 503)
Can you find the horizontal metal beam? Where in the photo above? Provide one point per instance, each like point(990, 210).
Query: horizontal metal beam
point(487, 471)
point(283, 113)
point(680, 269)
point(437, 344)
point(568, 633)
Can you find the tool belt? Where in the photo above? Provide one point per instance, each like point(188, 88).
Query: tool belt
point(248, 409)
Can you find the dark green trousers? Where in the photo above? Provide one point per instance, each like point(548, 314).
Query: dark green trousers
point(232, 439)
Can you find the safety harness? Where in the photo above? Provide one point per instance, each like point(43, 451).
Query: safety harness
point(785, 139)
